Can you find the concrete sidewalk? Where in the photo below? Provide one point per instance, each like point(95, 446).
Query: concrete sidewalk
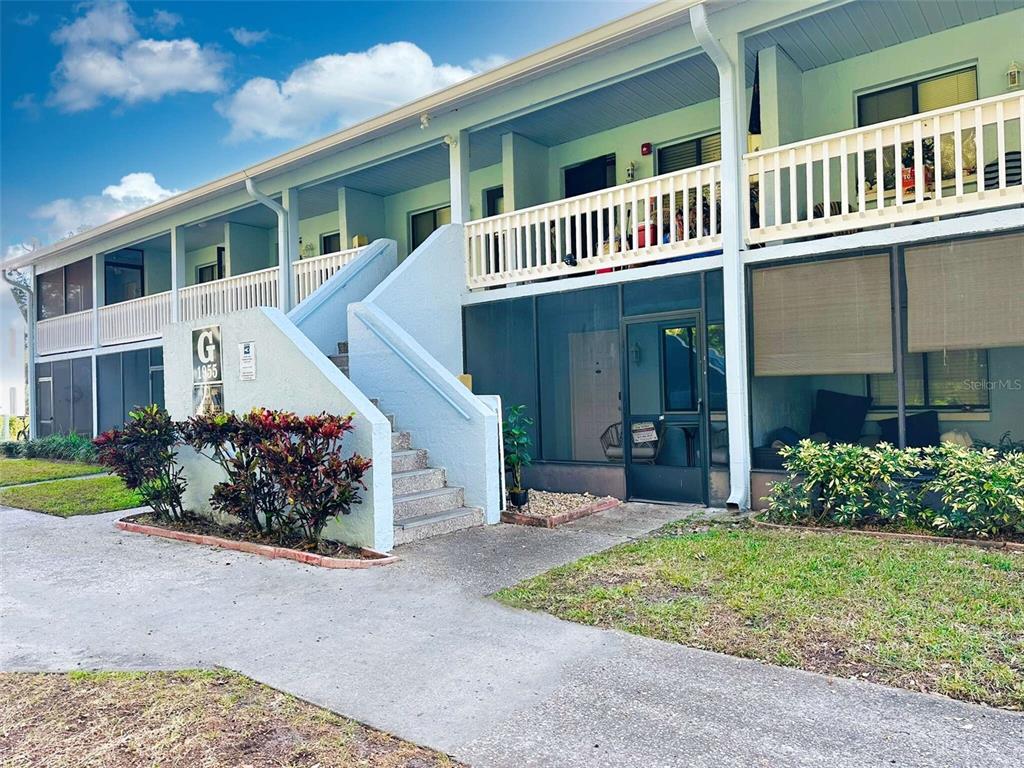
point(417, 650)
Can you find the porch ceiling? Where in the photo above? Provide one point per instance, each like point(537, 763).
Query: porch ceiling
point(211, 231)
point(392, 176)
point(862, 26)
point(674, 86)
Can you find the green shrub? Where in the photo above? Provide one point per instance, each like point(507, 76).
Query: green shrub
point(847, 484)
point(950, 489)
point(982, 491)
point(10, 449)
point(142, 454)
point(69, 447)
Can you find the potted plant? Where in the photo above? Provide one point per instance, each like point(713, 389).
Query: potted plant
point(927, 163)
point(517, 452)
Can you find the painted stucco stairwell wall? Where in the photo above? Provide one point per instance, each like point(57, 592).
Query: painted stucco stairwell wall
point(291, 374)
point(405, 347)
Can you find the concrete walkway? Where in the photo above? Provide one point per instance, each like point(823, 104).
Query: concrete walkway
point(417, 650)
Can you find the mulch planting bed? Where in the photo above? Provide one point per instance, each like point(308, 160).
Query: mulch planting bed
point(547, 510)
point(1013, 545)
point(328, 554)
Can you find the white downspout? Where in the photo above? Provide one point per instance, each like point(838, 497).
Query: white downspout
point(30, 333)
point(283, 261)
point(731, 100)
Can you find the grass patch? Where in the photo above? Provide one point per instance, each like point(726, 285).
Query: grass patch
point(14, 471)
point(211, 719)
point(67, 498)
point(946, 619)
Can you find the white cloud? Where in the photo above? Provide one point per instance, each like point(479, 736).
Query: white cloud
point(488, 63)
point(28, 104)
point(249, 37)
point(164, 21)
point(27, 19)
point(105, 58)
point(335, 90)
point(66, 216)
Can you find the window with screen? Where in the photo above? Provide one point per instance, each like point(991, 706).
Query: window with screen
point(687, 154)
point(919, 96)
point(65, 290)
point(954, 379)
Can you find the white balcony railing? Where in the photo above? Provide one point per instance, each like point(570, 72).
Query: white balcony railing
point(310, 274)
point(136, 319)
point(669, 216)
point(253, 289)
point(950, 161)
point(65, 333)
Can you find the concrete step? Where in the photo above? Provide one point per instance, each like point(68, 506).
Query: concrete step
point(400, 441)
point(437, 524)
point(428, 479)
point(407, 461)
point(342, 347)
point(341, 361)
point(410, 505)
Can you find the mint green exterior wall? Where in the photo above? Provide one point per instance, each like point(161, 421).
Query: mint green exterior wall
point(198, 258)
point(830, 93)
point(361, 213)
point(312, 228)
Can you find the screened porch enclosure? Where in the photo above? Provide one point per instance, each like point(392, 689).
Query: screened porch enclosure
point(921, 345)
point(624, 382)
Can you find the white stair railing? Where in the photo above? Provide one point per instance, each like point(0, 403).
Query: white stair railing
point(253, 289)
point(135, 320)
point(948, 161)
point(310, 274)
point(66, 333)
point(676, 214)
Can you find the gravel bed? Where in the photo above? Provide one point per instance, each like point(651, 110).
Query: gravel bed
point(548, 504)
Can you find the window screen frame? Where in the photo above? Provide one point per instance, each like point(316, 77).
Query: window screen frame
point(698, 140)
point(928, 404)
point(914, 83)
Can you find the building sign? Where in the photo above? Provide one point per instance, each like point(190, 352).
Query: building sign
point(247, 361)
point(207, 372)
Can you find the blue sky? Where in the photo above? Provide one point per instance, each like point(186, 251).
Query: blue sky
point(109, 106)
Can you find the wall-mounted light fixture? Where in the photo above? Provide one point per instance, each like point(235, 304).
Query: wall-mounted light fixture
point(1013, 76)
point(631, 171)
point(424, 121)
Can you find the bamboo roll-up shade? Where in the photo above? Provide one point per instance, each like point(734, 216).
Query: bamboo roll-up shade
point(967, 294)
point(829, 317)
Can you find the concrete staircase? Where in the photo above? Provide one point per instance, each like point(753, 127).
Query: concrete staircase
point(425, 505)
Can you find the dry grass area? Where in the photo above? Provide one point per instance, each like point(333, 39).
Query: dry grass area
point(192, 719)
point(549, 504)
point(939, 618)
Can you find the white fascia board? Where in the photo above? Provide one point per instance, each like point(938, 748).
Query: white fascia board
point(618, 33)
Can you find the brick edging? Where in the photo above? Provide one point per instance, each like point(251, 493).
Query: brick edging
point(263, 550)
point(516, 518)
point(1012, 546)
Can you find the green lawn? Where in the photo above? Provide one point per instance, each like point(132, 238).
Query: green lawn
point(14, 471)
point(947, 619)
point(66, 498)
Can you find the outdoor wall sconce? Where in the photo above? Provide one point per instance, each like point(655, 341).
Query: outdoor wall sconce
point(1013, 75)
point(636, 353)
point(631, 171)
point(424, 121)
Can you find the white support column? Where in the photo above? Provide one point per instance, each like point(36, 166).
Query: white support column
point(95, 399)
point(344, 236)
point(98, 294)
point(727, 53)
point(177, 269)
point(286, 285)
point(458, 175)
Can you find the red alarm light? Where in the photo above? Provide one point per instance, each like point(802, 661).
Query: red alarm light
point(646, 148)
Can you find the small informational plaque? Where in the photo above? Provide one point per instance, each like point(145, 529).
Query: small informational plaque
point(644, 432)
point(247, 361)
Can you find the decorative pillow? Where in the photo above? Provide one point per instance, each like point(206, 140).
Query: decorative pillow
point(783, 435)
point(922, 429)
point(839, 416)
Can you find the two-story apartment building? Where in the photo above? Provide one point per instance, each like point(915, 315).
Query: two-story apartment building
point(681, 240)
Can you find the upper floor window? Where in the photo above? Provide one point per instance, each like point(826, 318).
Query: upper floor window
point(918, 96)
point(687, 154)
point(65, 290)
point(330, 243)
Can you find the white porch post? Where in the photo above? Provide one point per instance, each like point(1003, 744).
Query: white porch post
point(728, 55)
point(458, 175)
point(286, 285)
point(99, 293)
point(177, 269)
